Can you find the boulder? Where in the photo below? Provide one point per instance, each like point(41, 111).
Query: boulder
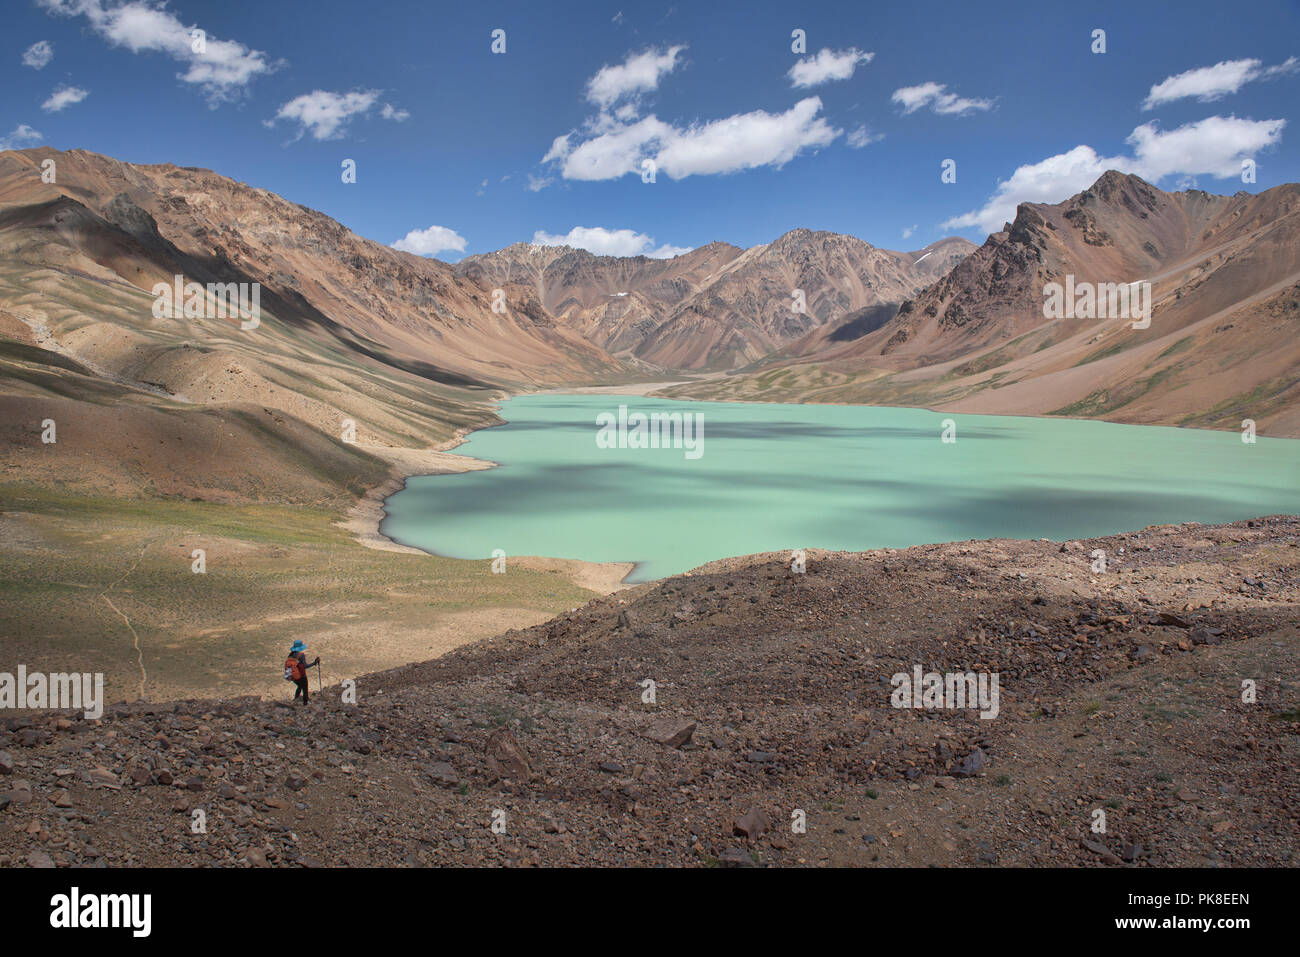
point(671, 732)
point(505, 758)
point(751, 825)
point(969, 766)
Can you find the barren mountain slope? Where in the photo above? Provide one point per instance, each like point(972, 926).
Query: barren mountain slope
point(1121, 230)
point(611, 300)
point(716, 307)
point(1222, 345)
point(356, 343)
point(316, 276)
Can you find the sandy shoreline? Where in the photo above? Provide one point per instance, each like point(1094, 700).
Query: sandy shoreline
point(364, 518)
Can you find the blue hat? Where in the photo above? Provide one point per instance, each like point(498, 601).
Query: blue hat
point(298, 646)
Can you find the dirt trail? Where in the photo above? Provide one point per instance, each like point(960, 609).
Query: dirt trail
point(135, 638)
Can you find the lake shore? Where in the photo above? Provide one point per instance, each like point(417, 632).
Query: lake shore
point(364, 518)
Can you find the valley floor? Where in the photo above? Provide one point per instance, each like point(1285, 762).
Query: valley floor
point(1121, 692)
point(109, 585)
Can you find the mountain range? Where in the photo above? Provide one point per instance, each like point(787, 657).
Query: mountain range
point(719, 306)
point(410, 352)
point(1221, 346)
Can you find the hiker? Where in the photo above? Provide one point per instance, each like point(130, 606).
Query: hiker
point(295, 669)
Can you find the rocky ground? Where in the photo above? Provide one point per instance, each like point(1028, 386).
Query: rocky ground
point(1121, 692)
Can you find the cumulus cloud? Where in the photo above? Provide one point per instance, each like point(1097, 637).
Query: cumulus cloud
point(22, 135)
point(1049, 181)
point(618, 140)
point(826, 66)
point(938, 99)
point(609, 242)
point(38, 55)
point(668, 252)
point(608, 155)
point(63, 97)
point(863, 137)
point(431, 241)
point(326, 115)
point(1214, 146)
point(221, 68)
point(1209, 83)
point(743, 141)
point(639, 73)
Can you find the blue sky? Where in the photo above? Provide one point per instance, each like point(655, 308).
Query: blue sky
point(472, 150)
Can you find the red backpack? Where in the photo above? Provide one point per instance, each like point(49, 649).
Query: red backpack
point(293, 669)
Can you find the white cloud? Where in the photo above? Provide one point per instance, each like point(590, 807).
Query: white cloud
point(743, 141)
point(431, 241)
point(618, 140)
point(609, 242)
point(1289, 65)
point(668, 252)
point(64, 97)
point(609, 155)
point(863, 137)
point(908, 230)
point(935, 96)
point(560, 148)
point(826, 66)
point(221, 68)
point(1214, 146)
point(639, 73)
point(1209, 83)
point(1049, 181)
point(38, 55)
point(326, 115)
point(538, 183)
point(22, 135)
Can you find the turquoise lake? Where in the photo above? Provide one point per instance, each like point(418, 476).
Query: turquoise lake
point(773, 477)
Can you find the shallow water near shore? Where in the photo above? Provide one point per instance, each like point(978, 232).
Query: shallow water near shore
point(774, 477)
